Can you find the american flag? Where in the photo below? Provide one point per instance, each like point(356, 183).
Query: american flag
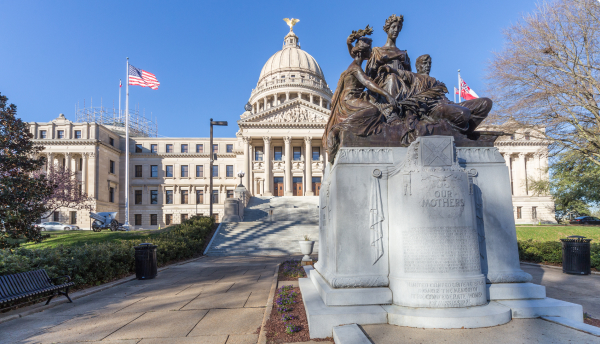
point(142, 78)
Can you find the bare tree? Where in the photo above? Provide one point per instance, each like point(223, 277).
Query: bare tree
point(67, 191)
point(547, 75)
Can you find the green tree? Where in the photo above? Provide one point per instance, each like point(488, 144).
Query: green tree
point(22, 191)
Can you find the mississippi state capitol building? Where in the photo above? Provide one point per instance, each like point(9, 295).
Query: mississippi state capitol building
point(278, 146)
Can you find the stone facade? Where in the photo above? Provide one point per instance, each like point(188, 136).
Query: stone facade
point(278, 146)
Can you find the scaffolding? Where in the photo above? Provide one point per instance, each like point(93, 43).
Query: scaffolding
point(139, 125)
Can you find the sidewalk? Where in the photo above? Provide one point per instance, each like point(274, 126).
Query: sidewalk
point(210, 300)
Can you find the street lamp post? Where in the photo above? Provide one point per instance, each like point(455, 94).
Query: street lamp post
point(213, 156)
point(241, 174)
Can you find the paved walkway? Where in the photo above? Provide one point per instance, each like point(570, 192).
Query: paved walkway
point(583, 290)
point(211, 300)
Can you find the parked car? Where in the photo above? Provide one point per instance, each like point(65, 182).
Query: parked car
point(585, 220)
point(55, 226)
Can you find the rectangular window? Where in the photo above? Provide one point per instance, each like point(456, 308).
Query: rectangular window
point(534, 213)
point(215, 148)
point(184, 148)
point(80, 164)
point(229, 148)
point(154, 148)
point(77, 134)
point(138, 148)
point(154, 171)
point(169, 148)
point(73, 217)
point(153, 219)
point(42, 134)
point(199, 148)
point(277, 156)
point(169, 171)
point(111, 141)
point(112, 167)
point(111, 195)
point(229, 171)
point(169, 197)
point(153, 196)
point(138, 171)
point(183, 217)
point(215, 171)
point(184, 171)
point(229, 193)
point(519, 212)
point(527, 136)
point(215, 196)
point(60, 134)
point(258, 153)
point(316, 153)
point(168, 219)
point(199, 171)
point(199, 196)
point(138, 219)
point(138, 196)
point(184, 197)
point(55, 216)
point(297, 153)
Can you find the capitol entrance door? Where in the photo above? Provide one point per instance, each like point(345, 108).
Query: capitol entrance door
point(297, 186)
point(278, 186)
point(316, 185)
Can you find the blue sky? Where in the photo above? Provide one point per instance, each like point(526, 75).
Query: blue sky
point(208, 55)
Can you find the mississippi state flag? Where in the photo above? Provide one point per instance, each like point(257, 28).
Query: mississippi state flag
point(465, 91)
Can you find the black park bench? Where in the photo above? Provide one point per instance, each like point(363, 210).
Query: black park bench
point(26, 285)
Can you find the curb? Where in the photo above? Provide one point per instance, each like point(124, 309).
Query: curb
point(554, 267)
point(40, 307)
point(262, 336)
point(211, 239)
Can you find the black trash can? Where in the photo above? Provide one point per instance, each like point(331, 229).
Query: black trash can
point(576, 255)
point(145, 261)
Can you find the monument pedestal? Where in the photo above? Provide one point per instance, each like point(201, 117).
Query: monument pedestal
point(422, 236)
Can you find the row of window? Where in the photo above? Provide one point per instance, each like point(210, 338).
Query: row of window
point(168, 219)
point(169, 196)
point(184, 148)
point(533, 213)
point(184, 173)
point(60, 134)
point(278, 153)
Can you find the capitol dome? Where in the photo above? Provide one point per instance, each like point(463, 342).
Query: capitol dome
point(291, 73)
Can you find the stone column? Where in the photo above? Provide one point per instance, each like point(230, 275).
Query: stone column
point(311, 98)
point(308, 191)
point(264, 103)
point(92, 166)
point(288, 166)
point(321, 101)
point(287, 96)
point(267, 159)
point(50, 161)
point(68, 162)
point(522, 175)
point(84, 162)
point(246, 161)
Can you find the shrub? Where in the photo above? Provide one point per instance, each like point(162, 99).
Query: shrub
point(93, 264)
point(551, 252)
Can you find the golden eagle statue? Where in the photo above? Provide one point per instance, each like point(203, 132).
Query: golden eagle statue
point(291, 22)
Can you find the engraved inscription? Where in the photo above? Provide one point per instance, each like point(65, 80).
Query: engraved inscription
point(443, 197)
point(447, 294)
point(441, 250)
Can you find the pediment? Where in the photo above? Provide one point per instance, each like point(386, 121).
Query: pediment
point(295, 112)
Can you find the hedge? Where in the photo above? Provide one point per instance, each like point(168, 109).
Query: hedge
point(551, 252)
point(94, 264)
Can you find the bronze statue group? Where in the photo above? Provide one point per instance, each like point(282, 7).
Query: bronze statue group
point(388, 102)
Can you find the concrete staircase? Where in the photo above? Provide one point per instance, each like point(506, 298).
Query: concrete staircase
point(272, 226)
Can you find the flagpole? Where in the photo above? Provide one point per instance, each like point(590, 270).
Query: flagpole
point(126, 148)
point(120, 86)
point(459, 87)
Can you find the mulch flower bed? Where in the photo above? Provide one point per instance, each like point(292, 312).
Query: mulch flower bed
point(287, 322)
point(290, 270)
point(591, 321)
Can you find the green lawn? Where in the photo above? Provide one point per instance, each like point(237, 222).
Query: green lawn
point(75, 238)
point(554, 233)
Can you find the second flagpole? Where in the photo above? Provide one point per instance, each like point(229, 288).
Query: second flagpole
point(127, 149)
